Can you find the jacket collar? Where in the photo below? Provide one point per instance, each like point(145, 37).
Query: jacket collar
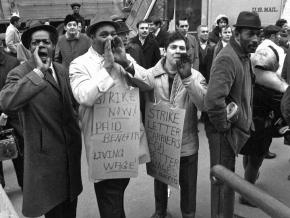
point(238, 49)
point(159, 68)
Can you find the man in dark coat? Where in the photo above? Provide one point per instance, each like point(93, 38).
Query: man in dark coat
point(39, 89)
point(159, 33)
point(7, 63)
point(148, 44)
point(231, 80)
point(76, 13)
point(205, 51)
point(182, 26)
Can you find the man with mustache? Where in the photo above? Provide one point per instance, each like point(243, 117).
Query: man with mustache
point(148, 45)
point(231, 80)
point(39, 89)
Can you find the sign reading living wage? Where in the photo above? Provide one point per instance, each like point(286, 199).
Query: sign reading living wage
point(164, 128)
point(116, 135)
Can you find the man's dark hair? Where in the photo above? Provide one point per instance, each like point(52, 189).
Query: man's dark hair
point(225, 27)
point(280, 22)
point(70, 18)
point(14, 19)
point(173, 37)
point(157, 22)
point(177, 20)
point(148, 20)
point(140, 22)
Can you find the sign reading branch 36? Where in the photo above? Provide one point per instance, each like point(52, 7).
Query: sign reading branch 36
point(116, 135)
point(164, 127)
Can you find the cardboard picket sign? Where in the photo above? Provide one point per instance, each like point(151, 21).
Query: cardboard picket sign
point(115, 135)
point(164, 128)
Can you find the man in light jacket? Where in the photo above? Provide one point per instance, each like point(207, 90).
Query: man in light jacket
point(91, 75)
point(12, 35)
point(174, 81)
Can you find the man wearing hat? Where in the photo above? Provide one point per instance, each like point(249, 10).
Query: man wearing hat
point(93, 74)
point(76, 13)
point(40, 91)
point(72, 44)
point(12, 35)
point(231, 80)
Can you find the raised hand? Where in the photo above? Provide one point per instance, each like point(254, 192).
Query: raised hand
point(119, 52)
point(184, 66)
point(108, 55)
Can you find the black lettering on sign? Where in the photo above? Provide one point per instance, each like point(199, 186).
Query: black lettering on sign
point(120, 137)
point(109, 154)
point(116, 166)
point(122, 112)
point(107, 126)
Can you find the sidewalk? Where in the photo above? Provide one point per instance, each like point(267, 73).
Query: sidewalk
point(139, 197)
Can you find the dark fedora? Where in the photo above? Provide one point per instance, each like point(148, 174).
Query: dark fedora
point(99, 22)
point(122, 27)
point(248, 19)
point(26, 36)
point(75, 4)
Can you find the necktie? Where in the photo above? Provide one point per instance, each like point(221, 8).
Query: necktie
point(49, 76)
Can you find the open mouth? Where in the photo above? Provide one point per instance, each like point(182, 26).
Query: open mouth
point(43, 54)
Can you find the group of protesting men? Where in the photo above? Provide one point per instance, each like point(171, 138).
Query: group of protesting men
point(55, 89)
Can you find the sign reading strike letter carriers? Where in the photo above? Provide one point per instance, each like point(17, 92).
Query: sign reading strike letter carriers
point(116, 135)
point(164, 127)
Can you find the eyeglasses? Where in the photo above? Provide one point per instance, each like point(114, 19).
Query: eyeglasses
point(36, 42)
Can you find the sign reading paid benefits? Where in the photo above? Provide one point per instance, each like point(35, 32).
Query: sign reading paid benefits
point(116, 133)
point(164, 127)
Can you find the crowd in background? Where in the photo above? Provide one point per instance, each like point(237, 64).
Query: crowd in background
point(237, 76)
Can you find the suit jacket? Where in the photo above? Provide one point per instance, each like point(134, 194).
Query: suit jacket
point(151, 52)
point(205, 59)
point(161, 38)
point(193, 50)
point(52, 151)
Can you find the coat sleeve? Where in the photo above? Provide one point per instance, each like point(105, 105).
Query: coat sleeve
point(19, 90)
point(195, 63)
point(196, 87)
point(57, 55)
point(220, 83)
point(285, 66)
point(285, 106)
point(88, 88)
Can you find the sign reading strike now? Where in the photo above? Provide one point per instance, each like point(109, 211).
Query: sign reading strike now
point(164, 127)
point(116, 135)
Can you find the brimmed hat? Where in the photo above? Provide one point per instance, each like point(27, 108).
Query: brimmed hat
point(122, 27)
point(248, 19)
point(75, 4)
point(97, 23)
point(69, 18)
point(26, 36)
point(117, 18)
